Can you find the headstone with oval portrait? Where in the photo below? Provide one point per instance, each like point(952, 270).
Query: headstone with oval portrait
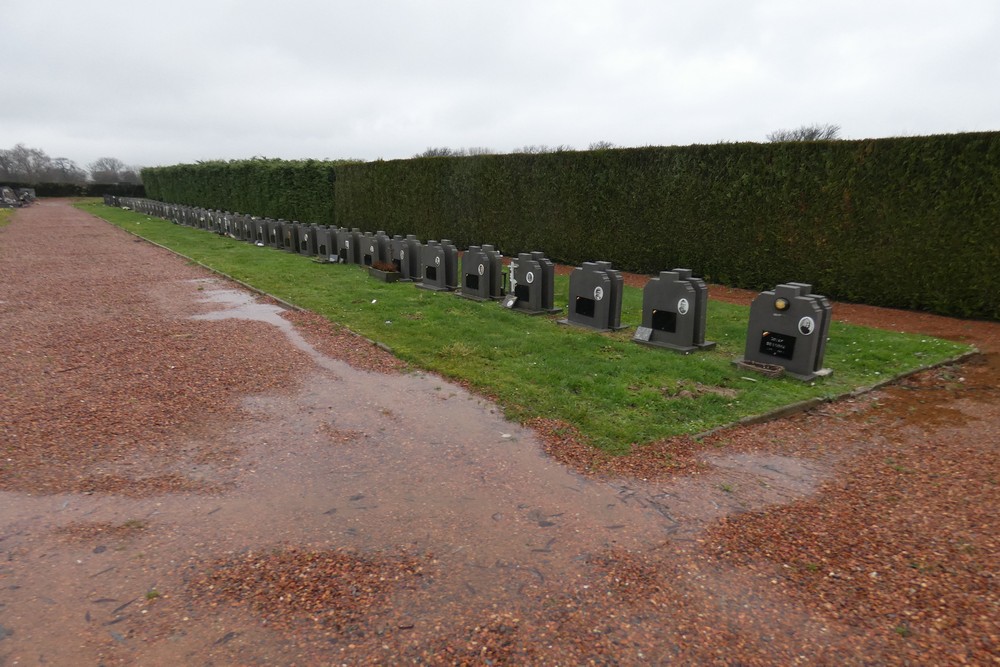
point(349, 245)
point(788, 328)
point(375, 248)
point(326, 243)
point(440, 266)
point(307, 239)
point(532, 284)
point(406, 257)
point(482, 276)
point(595, 297)
point(674, 307)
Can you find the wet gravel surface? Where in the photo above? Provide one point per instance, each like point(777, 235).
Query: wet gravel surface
point(215, 491)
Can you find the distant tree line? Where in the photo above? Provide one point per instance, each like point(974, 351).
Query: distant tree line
point(814, 132)
point(533, 149)
point(22, 164)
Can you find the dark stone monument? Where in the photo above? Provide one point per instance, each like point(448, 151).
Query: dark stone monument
point(406, 257)
point(290, 236)
point(275, 234)
point(595, 297)
point(326, 243)
point(482, 274)
point(375, 248)
point(788, 328)
point(307, 239)
point(532, 285)
point(440, 266)
point(674, 307)
point(349, 248)
point(260, 232)
point(246, 228)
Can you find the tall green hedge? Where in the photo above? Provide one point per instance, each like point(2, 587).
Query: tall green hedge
point(294, 190)
point(907, 222)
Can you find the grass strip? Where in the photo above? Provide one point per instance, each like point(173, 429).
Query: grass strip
point(615, 392)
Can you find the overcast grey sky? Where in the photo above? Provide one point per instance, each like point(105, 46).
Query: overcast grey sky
point(156, 83)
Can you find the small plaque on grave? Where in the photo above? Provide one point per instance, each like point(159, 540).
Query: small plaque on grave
point(510, 300)
point(777, 345)
point(643, 333)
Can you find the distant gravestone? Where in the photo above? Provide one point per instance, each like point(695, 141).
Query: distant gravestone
point(375, 248)
point(326, 240)
point(246, 227)
point(482, 274)
point(349, 246)
point(532, 285)
point(274, 233)
point(440, 266)
point(595, 297)
point(674, 307)
point(788, 328)
point(307, 239)
point(406, 257)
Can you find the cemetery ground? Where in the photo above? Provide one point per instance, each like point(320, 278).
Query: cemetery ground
point(191, 475)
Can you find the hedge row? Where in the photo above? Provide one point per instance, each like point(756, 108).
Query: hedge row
point(904, 222)
point(293, 190)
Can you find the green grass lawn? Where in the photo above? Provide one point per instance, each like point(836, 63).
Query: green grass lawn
point(614, 391)
point(5, 215)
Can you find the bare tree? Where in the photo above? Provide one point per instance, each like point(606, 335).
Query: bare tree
point(826, 132)
point(64, 170)
point(600, 146)
point(441, 151)
point(23, 164)
point(130, 175)
point(537, 149)
point(106, 170)
point(479, 150)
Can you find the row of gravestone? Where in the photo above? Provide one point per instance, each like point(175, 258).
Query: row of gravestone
point(787, 330)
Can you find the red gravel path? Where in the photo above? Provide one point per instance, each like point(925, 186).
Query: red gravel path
point(864, 532)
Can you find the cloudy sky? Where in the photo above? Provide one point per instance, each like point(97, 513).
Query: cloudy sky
point(156, 83)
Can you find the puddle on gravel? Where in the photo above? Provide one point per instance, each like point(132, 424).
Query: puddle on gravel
point(361, 460)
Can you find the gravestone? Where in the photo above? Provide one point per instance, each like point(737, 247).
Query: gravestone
point(440, 266)
point(274, 233)
point(674, 307)
point(204, 219)
point(349, 248)
point(532, 284)
point(375, 248)
point(290, 236)
point(260, 232)
point(788, 328)
point(406, 257)
point(482, 274)
point(595, 297)
point(244, 228)
point(307, 239)
point(326, 239)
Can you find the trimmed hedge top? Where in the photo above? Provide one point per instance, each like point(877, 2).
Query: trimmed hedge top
point(904, 222)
